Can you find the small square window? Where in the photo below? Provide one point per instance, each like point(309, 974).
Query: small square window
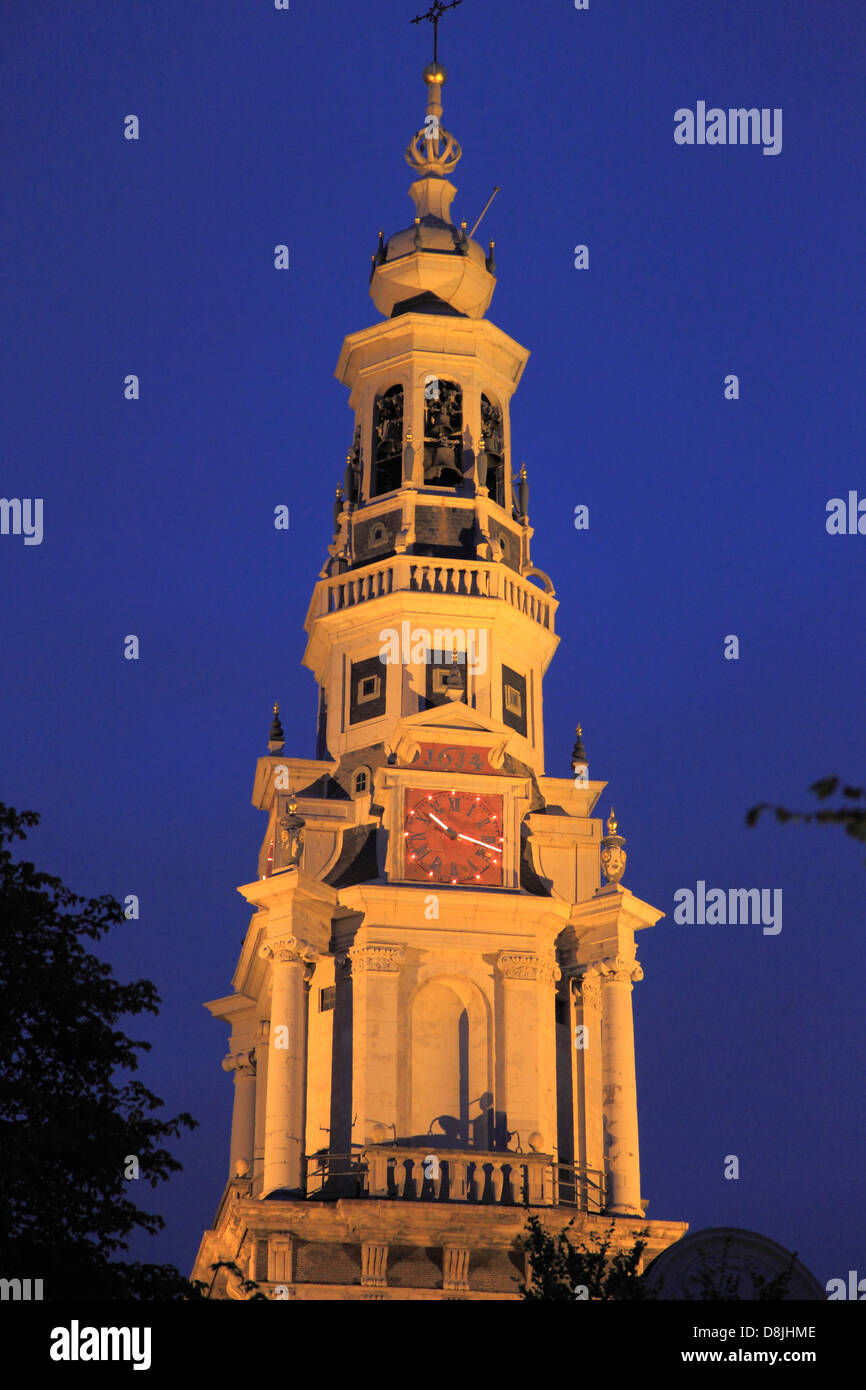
point(369, 688)
point(513, 701)
point(440, 679)
point(327, 999)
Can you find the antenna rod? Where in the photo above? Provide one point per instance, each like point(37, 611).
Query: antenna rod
point(486, 206)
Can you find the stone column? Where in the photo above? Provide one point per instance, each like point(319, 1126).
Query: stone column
point(284, 1107)
point(243, 1064)
point(620, 1085)
point(586, 1050)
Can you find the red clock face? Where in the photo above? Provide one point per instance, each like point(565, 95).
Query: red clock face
point(453, 837)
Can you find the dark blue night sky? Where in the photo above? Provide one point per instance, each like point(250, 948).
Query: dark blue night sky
point(707, 516)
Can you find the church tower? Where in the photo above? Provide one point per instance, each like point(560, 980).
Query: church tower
point(431, 1020)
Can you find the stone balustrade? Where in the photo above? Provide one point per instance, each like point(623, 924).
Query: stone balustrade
point(420, 574)
point(454, 1175)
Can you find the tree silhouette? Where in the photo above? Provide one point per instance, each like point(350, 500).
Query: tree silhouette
point(70, 1122)
point(560, 1271)
point(852, 817)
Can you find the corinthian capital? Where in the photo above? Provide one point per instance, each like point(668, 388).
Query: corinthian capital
point(374, 957)
point(586, 987)
point(527, 965)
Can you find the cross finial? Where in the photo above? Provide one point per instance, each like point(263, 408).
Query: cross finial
point(434, 14)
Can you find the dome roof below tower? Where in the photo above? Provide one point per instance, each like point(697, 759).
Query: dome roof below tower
point(433, 256)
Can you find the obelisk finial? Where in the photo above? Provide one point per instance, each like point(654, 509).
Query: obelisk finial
point(276, 738)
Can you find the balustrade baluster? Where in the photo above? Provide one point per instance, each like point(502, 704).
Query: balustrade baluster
point(474, 1173)
point(497, 1179)
point(458, 1170)
point(409, 1189)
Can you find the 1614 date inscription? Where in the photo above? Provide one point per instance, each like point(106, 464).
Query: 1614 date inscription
point(451, 757)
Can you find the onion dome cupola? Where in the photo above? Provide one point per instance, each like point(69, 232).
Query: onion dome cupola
point(432, 266)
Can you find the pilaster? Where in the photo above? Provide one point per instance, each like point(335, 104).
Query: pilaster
point(526, 1054)
point(375, 971)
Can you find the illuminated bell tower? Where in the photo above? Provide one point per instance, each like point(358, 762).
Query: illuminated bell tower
point(432, 535)
point(431, 1023)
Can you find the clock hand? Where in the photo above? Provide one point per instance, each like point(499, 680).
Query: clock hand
point(492, 848)
point(446, 828)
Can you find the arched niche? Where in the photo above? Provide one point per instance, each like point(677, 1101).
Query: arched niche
point(450, 1091)
point(386, 471)
point(443, 434)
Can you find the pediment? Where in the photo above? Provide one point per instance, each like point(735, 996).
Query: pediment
point(451, 724)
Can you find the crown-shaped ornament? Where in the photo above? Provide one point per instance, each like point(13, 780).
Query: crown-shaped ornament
point(433, 151)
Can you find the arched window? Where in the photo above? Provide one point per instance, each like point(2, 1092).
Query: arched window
point(360, 780)
point(387, 468)
point(494, 449)
point(443, 434)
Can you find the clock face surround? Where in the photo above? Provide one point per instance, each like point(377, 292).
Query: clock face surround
point(453, 837)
